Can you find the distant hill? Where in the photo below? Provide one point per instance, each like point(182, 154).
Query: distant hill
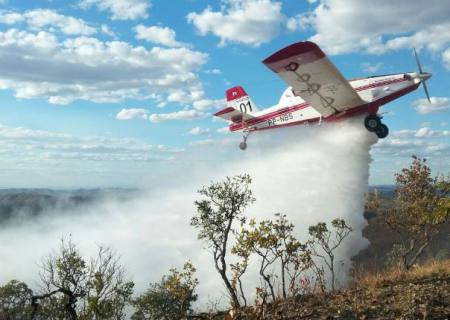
point(30, 203)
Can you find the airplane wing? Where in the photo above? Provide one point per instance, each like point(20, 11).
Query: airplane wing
point(313, 77)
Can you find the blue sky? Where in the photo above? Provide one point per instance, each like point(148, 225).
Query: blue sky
point(103, 92)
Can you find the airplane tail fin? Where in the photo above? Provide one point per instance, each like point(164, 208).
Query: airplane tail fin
point(239, 106)
point(238, 99)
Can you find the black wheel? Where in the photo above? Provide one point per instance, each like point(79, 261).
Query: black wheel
point(372, 123)
point(243, 145)
point(383, 131)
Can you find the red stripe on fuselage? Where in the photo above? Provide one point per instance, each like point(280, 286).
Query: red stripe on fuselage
point(371, 107)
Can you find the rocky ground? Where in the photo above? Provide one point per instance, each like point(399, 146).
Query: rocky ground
point(422, 293)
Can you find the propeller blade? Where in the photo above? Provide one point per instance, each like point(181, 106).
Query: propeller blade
point(426, 91)
point(417, 61)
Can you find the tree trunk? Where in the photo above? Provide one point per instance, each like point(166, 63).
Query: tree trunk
point(283, 281)
point(332, 272)
point(232, 292)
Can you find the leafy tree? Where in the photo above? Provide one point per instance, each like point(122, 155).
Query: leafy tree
point(323, 243)
point(107, 291)
point(223, 205)
point(421, 207)
point(64, 278)
point(15, 301)
point(169, 299)
point(272, 241)
point(76, 289)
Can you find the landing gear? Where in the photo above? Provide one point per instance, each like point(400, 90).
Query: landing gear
point(373, 124)
point(383, 131)
point(243, 144)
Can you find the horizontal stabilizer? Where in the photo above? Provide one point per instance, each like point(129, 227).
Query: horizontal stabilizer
point(233, 115)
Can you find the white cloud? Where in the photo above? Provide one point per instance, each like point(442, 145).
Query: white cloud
point(34, 145)
point(177, 115)
point(158, 35)
point(197, 131)
point(446, 58)
point(438, 104)
point(250, 22)
point(203, 142)
point(132, 113)
point(426, 132)
point(107, 30)
point(213, 71)
point(37, 65)
point(371, 68)
point(11, 17)
point(204, 104)
point(40, 18)
point(378, 26)
point(223, 130)
point(121, 9)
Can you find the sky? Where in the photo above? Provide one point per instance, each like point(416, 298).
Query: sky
point(120, 93)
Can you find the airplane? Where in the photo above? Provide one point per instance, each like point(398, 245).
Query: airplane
point(318, 92)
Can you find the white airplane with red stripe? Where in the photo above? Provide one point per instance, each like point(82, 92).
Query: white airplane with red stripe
point(317, 92)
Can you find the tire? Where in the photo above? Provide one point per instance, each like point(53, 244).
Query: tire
point(243, 145)
point(372, 123)
point(383, 131)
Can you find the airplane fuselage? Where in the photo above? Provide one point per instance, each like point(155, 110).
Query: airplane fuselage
point(293, 110)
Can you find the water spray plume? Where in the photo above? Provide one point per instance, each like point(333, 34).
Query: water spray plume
point(311, 174)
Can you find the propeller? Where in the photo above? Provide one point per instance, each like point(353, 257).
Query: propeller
point(423, 76)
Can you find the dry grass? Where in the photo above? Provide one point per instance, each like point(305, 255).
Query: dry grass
point(430, 269)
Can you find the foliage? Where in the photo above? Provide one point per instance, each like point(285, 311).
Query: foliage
point(107, 291)
point(169, 299)
point(15, 299)
point(223, 204)
point(76, 289)
point(274, 242)
point(421, 206)
point(328, 241)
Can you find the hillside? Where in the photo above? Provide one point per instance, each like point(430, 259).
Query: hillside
point(421, 293)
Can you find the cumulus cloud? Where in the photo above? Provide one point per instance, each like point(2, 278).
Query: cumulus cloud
point(159, 35)
point(197, 131)
point(438, 104)
point(34, 145)
point(204, 104)
point(250, 22)
point(132, 113)
point(42, 18)
point(446, 58)
point(375, 27)
point(120, 9)
point(38, 65)
point(177, 115)
point(371, 68)
point(424, 142)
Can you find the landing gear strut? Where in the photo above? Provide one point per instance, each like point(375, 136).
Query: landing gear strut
point(243, 144)
point(373, 124)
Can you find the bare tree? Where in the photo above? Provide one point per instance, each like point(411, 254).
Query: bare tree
point(223, 205)
point(324, 242)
